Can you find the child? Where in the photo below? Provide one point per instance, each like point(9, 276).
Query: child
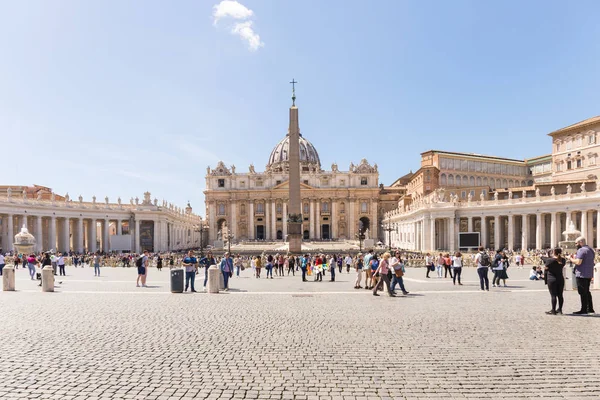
point(533, 274)
point(319, 274)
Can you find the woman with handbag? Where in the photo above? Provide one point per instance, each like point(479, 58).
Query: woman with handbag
point(398, 267)
point(429, 264)
point(457, 264)
point(382, 272)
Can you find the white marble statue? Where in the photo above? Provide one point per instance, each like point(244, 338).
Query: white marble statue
point(137, 200)
point(537, 192)
point(470, 197)
point(524, 193)
point(155, 201)
point(482, 197)
point(9, 193)
point(106, 200)
point(39, 195)
point(367, 233)
point(24, 195)
point(119, 200)
point(94, 199)
point(583, 187)
point(251, 169)
point(53, 197)
point(80, 199)
point(510, 194)
point(569, 189)
point(233, 169)
point(131, 201)
point(67, 198)
point(496, 196)
point(208, 170)
point(552, 191)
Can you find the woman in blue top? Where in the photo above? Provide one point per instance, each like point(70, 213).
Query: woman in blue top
point(374, 265)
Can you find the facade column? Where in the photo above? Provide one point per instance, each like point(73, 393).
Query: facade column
point(273, 221)
point(79, 245)
point(51, 232)
point(251, 233)
point(584, 224)
point(351, 220)
point(469, 224)
point(497, 239)
point(553, 228)
point(484, 232)
point(312, 219)
point(451, 235)
point(137, 237)
point(511, 232)
point(93, 235)
point(39, 235)
point(119, 227)
point(234, 219)
point(433, 245)
point(539, 231)
point(318, 220)
point(267, 220)
point(284, 220)
point(590, 228)
point(525, 233)
point(333, 220)
point(156, 239)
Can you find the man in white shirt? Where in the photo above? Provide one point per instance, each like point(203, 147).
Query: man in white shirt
point(348, 262)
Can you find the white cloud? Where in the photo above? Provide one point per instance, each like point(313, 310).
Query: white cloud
point(231, 9)
point(246, 32)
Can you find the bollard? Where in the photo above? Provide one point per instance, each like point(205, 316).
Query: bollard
point(573, 279)
point(597, 276)
point(213, 279)
point(47, 279)
point(8, 278)
point(221, 280)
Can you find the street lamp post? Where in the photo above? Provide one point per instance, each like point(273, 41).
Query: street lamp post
point(360, 235)
point(229, 237)
point(388, 228)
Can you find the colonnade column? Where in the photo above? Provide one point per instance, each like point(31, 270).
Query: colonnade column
point(433, 245)
point(318, 220)
point(484, 229)
point(469, 224)
point(39, 236)
point(525, 233)
point(66, 235)
point(273, 221)
point(539, 231)
point(105, 236)
point(451, 234)
point(584, 223)
point(333, 220)
point(93, 236)
point(553, 227)
point(79, 246)
point(497, 239)
point(119, 227)
point(156, 242)
point(11, 232)
point(511, 232)
point(137, 237)
point(251, 217)
point(51, 232)
point(234, 218)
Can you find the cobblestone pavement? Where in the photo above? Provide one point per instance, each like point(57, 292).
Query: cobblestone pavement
point(282, 339)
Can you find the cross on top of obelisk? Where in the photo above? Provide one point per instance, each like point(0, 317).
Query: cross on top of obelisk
point(293, 82)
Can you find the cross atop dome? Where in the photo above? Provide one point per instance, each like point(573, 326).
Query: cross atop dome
point(293, 82)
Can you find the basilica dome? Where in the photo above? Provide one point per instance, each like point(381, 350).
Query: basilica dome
point(308, 155)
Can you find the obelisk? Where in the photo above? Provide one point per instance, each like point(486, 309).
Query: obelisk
point(294, 217)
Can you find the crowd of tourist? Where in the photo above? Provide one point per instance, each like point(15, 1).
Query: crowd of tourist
point(373, 270)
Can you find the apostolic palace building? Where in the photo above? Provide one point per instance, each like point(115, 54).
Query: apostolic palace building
point(61, 224)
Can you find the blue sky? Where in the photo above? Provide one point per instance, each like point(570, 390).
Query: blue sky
point(119, 97)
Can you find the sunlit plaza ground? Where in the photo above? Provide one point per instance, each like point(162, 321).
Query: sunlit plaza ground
point(284, 339)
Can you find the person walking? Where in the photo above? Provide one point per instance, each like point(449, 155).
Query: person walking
point(2, 262)
point(583, 264)
point(226, 270)
point(358, 267)
point(190, 264)
point(303, 266)
point(429, 264)
point(258, 265)
point(553, 265)
point(483, 263)
point(440, 265)
point(348, 261)
point(269, 266)
point(457, 264)
point(31, 264)
point(447, 266)
point(291, 262)
point(61, 264)
point(397, 266)
point(382, 272)
point(159, 263)
point(332, 264)
point(497, 267)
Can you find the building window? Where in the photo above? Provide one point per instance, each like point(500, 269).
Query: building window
point(306, 182)
point(569, 145)
point(472, 193)
point(260, 207)
point(578, 163)
point(463, 194)
point(364, 181)
point(279, 208)
point(306, 208)
point(243, 184)
point(579, 142)
point(325, 182)
point(568, 165)
point(259, 183)
point(243, 209)
point(221, 209)
point(277, 183)
point(592, 159)
point(592, 139)
point(221, 182)
point(342, 183)
point(325, 207)
point(363, 207)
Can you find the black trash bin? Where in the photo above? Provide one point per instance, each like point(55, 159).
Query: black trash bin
point(177, 280)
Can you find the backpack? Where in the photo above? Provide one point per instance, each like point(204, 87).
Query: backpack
point(139, 262)
point(484, 260)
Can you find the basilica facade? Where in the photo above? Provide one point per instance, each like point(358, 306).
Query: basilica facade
point(253, 206)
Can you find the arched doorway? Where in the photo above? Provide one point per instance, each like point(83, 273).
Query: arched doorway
point(364, 224)
point(221, 228)
point(306, 235)
point(279, 235)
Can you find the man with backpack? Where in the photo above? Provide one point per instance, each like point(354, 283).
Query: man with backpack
point(483, 263)
point(142, 266)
